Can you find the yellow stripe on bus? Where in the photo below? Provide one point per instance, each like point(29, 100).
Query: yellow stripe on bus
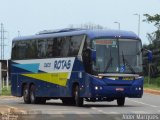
point(55, 78)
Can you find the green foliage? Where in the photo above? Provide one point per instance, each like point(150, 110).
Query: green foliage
point(154, 83)
point(5, 91)
point(155, 19)
point(154, 40)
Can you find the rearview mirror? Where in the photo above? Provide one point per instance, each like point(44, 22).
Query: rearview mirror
point(149, 56)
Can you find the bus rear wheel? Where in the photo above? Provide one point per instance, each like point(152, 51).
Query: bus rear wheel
point(33, 97)
point(120, 101)
point(77, 98)
point(26, 96)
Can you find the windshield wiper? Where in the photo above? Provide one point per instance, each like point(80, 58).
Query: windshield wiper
point(108, 64)
point(125, 62)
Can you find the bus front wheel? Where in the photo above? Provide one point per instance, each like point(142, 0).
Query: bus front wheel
point(120, 101)
point(26, 96)
point(78, 99)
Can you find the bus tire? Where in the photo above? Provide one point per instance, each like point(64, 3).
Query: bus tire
point(77, 98)
point(33, 97)
point(26, 96)
point(120, 101)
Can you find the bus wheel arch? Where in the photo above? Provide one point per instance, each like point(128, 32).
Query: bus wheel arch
point(73, 87)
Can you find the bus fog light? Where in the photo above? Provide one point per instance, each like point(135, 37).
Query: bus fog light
point(140, 88)
point(96, 87)
point(100, 77)
point(136, 88)
point(100, 88)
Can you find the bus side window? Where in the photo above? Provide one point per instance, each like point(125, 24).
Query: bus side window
point(55, 52)
point(75, 42)
point(42, 44)
point(50, 48)
point(14, 50)
point(86, 55)
point(64, 47)
point(21, 49)
point(32, 49)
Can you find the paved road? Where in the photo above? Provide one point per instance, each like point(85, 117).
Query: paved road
point(148, 104)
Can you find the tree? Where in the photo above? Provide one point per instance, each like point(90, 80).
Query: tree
point(155, 19)
point(154, 39)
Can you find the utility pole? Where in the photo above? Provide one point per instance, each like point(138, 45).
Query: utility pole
point(2, 49)
point(19, 33)
point(0, 79)
point(2, 38)
point(139, 22)
point(119, 25)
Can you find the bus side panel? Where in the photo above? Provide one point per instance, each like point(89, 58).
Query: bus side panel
point(14, 78)
point(43, 89)
point(80, 77)
point(86, 91)
point(77, 76)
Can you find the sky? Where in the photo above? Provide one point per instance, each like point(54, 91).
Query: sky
point(32, 16)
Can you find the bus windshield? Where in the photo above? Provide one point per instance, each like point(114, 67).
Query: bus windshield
point(117, 56)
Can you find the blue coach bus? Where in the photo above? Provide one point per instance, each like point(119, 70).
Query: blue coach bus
point(76, 65)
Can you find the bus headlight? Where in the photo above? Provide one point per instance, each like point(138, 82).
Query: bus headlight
point(100, 77)
point(96, 87)
point(138, 88)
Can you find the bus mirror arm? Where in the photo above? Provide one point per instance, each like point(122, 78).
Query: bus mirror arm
point(149, 53)
point(138, 53)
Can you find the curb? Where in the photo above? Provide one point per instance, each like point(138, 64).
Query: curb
point(151, 91)
point(3, 96)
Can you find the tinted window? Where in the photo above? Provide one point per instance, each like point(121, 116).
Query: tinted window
point(14, 50)
point(21, 49)
point(63, 46)
point(75, 42)
point(32, 49)
point(42, 48)
point(24, 49)
point(50, 48)
point(56, 47)
point(47, 48)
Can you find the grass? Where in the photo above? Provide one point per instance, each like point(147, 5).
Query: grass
point(154, 83)
point(5, 91)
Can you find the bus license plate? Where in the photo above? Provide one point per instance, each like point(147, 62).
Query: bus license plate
point(119, 89)
point(128, 78)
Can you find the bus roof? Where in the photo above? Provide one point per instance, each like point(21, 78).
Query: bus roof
point(90, 33)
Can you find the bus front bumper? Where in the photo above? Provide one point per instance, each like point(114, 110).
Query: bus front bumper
point(117, 91)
